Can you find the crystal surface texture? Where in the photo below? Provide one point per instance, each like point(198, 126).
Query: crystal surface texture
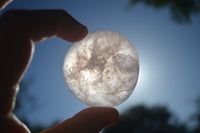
point(102, 69)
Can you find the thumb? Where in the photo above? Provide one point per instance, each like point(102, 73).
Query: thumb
point(4, 3)
point(90, 120)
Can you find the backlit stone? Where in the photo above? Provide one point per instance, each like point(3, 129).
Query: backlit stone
point(102, 69)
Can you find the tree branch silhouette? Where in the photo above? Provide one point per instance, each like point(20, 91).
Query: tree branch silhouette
point(181, 10)
point(144, 119)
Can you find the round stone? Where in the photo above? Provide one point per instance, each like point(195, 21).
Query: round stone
point(102, 69)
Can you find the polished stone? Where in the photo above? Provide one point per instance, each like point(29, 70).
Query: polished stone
point(102, 69)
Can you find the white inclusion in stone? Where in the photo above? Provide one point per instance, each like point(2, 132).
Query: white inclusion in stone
point(102, 69)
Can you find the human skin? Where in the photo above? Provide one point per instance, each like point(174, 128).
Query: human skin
point(19, 30)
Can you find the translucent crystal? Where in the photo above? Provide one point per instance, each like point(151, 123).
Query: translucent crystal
point(102, 69)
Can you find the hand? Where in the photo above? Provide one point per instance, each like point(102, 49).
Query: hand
point(19, 30)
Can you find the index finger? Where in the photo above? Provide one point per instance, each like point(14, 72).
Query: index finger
point(18, 30)
point(39, 24)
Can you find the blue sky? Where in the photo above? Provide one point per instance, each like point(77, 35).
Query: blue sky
point(168, 54)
